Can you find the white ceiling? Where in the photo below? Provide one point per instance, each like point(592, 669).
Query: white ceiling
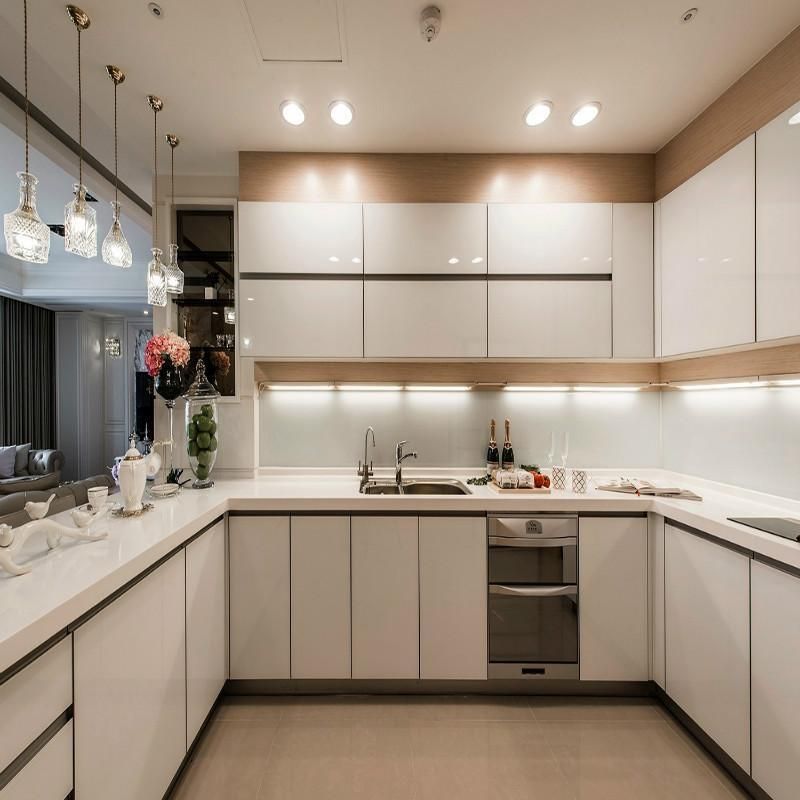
point(465, 92)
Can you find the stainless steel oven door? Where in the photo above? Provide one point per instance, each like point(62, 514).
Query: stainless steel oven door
point(533, 624)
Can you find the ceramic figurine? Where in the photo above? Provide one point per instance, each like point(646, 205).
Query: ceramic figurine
point(39, 510)
point(134, 469)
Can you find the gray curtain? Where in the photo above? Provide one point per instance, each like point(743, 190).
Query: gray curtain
point(27, 374)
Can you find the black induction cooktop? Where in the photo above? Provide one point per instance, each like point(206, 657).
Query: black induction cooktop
point(779, 526)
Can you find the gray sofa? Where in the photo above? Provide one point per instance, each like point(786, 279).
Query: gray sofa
point(42, 472)
point(12, 506)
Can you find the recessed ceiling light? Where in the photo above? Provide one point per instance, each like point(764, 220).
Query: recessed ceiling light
point(356, 260)
point(156, 10)
point(538, 113)
point(251, 299)
point(689, 15)
point(333, 259)
point(293, 112)
point(477, 259)
point(341, 112)
point(585, 114)
point(795, 119)
point(452, 260)
point(146, 313)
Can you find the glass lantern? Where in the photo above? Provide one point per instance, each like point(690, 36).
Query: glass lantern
point(202, 430)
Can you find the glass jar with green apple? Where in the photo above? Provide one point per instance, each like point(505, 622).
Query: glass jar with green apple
point(202, 427)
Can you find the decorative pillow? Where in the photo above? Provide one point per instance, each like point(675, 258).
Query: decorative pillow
point(8, 459)
point(21, 463)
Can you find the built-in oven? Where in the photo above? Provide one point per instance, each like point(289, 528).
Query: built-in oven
point(533, 596)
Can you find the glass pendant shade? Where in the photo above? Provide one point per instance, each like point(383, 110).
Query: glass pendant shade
point(80, 225)
point(174, 272)
point(116, 250)
point(156, 280)
point(27, 237)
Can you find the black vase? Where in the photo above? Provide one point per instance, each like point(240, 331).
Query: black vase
point(169, 381)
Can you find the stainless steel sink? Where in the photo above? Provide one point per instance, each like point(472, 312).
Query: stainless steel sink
point(421, 486)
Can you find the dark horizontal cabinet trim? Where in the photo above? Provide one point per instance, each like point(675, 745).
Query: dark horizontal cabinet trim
point(300, 276)
point(424, 276)
point(550, 276)
point(709, 537)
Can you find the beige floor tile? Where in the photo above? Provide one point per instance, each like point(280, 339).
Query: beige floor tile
point(229, 761)
point(349, 759)
point(566, 709)
point(468, 708)
point(341, 708)
point(265, 709)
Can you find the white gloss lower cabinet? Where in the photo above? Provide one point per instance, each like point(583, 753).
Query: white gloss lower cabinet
point(707, 620)
point(300, 318)
point(385, 601)
point(452, 597)
point(775, 654)
point(612, 564)
point(206, 626)
point(320, 597)
point(48, 776)
point(425, 319)
point(130, 690)
point(655, 551)
point(550, 319)
point(259, 552)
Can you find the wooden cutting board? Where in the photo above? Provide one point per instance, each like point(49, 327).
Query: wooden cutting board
point(498, 490)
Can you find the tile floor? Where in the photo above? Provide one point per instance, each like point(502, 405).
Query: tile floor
point(416, 748)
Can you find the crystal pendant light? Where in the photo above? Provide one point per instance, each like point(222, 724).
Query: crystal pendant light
point(27, 237)
point(174, 272)
point(116, 250)
point(80, 220)
point(156, 274)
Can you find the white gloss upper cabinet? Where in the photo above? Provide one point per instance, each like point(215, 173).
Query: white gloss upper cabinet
point(206, 626)
point(707, 240)
point(775, 634)
point(550, 319)
point(432, 238)
point(452, 596)
point(707, 621)
point(300, 237)
point(550, 238)
point(301, 318)
point(425, 319)
point(130, 690)
point(778, 227)
point(613, 599)
point(320, 597)
point(632, 288)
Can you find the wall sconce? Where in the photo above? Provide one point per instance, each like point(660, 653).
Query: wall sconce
point(230, 315)
point(113, 347)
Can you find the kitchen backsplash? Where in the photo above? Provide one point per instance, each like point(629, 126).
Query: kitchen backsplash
point(326, 429)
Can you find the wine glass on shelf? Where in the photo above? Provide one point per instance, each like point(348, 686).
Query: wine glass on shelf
point(564, 449)
point(551, 455)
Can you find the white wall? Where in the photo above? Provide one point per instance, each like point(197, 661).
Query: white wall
point(746, 437)
point(451, 429)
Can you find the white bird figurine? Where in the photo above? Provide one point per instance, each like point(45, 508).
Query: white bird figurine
point(39, 510)
point(83, 519)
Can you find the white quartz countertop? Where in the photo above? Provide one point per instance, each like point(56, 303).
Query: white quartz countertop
point(69, 581)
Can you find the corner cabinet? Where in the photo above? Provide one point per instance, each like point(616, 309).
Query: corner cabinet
point(130, 690)
point(707, 620)
point(707, 258)
point(775, 653)
point(612, 563)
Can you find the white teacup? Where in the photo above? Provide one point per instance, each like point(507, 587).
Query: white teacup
point(97, 497)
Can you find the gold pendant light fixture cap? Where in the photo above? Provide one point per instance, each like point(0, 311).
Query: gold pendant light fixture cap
point(156, 103)
point(172, 140)
point(79, 17)
point(115, 73)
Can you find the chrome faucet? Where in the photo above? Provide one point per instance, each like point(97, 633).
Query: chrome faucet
point(365, 471)
point(399, 458)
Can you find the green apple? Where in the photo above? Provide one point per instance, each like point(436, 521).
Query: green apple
point(191, 431)
point(204, 424)
point(193, 449)
point(204, 458)
point(213, 446)
point(207, 410)
point(201, 472)
point(203, 440)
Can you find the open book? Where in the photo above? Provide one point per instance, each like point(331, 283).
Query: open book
point(642, 487)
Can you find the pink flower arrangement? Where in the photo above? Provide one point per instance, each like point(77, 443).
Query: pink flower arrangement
point(221, 362)
point(165, 344)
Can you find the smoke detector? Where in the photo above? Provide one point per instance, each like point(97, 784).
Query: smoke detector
point(430, 23)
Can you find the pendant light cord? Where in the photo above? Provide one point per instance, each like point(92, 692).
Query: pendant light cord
point(155, 178)
point(116, 158)
point(80, 113)
point(172, 170)
point(25, 28)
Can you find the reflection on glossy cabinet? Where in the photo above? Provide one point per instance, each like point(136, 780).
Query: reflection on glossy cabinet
point(301, 318)
point(425, 319)
point(708, 638)
point(612, 557)
point(550, 238)
point(778, 227)
point(48, 776)
point(452, 592)
point(206, 626)
point(775, 632)
point(707, 240)
point(425, 238)
point(633, 280)
point(130, 690)
point(550, 319)
point(385, 604)
point(259, 596)
point(320, 597)
point(300, 237)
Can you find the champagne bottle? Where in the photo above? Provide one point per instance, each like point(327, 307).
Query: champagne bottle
point(492, 453)
point(508, 450)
